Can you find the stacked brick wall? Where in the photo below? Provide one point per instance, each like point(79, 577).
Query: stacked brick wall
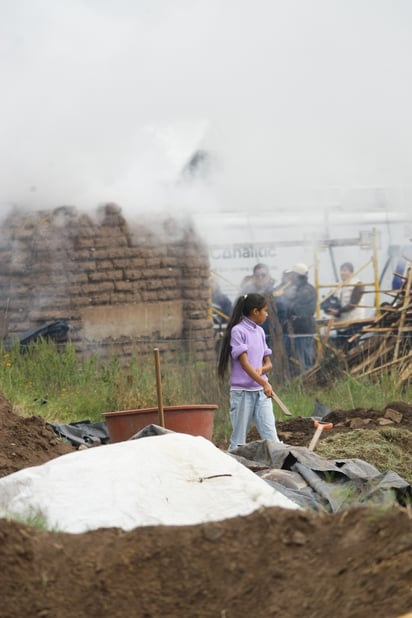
point(122, 287)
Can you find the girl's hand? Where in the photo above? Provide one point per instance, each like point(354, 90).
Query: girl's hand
point(259, 370)
point(268, 390)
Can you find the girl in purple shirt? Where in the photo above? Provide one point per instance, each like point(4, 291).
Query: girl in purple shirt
point(244, 344)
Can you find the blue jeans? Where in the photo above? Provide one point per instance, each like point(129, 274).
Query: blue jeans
point(305, 351)
point(248, 406)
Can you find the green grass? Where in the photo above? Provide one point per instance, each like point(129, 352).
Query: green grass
point(387, 448)
point(57, 384)
point(36, 520)
point(346, 393)
point(60, 386)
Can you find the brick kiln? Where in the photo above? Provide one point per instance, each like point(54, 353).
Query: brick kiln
point(120, 286)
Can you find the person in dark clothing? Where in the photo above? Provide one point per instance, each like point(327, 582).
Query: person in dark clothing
point(221, 311)
point(301, 306)
point(281, 295)
point(399, 274)
point(220, 300)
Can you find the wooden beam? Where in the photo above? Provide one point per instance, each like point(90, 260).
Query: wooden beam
point(388, 364)
point(406, 302)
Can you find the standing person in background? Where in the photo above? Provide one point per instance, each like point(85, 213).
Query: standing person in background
point(220, 300)
point(282, 293)
point(301, 306)
point(260, 282)
point(399, 274)
point(350, 295)
point(221, 312)
point(244, 345)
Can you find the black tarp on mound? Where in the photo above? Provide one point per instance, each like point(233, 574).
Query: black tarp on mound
point(82, 433)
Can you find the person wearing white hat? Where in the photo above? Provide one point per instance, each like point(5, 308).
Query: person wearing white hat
point(301, 303)
point(299, 269)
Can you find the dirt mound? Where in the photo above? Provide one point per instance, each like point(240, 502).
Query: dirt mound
point(25, 442)
point(299, 431)
point(272, 563)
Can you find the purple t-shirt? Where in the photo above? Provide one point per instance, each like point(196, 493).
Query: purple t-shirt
point(249, 337)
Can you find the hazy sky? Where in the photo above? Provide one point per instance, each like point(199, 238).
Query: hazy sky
point(299, 100)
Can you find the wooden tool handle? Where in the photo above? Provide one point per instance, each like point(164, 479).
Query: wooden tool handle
point(281, 404)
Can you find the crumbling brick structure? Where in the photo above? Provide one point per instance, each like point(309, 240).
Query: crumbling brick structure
point(121, 287)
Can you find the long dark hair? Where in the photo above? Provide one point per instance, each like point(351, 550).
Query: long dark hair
point(243, 308)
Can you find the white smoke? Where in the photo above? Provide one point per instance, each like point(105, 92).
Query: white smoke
point(303, 103)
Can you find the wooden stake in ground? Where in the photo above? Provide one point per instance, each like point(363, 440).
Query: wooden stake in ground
point(159, 388)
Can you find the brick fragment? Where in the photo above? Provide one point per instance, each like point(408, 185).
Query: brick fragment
point(393, 415)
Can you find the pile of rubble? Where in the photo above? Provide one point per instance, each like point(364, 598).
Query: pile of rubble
point(375, 346)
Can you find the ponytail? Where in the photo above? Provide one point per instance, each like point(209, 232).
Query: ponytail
point(243, 308)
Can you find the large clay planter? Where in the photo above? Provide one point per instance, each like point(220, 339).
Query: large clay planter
point(196, 420)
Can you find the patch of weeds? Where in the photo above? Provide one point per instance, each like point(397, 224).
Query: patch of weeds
point(36, 520)
point(386, 449)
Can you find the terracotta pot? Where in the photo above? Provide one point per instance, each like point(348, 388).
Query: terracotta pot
point(196, 420)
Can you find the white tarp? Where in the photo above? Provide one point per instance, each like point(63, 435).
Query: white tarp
point(172, 479)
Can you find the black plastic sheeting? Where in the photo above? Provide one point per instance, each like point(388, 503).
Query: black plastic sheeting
point(150, 430)
point(82, 433)
point(57, 331)
point(322, 484)
point(86, 433)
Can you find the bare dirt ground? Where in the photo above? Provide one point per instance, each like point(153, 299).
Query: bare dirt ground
point(274, 562)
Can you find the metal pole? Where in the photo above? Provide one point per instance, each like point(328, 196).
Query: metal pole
point(376, 273)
